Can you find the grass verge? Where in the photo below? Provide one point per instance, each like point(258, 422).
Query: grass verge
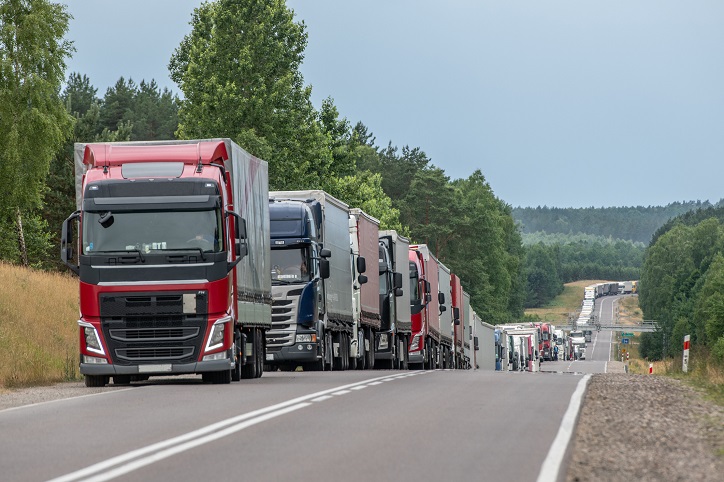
point(38, 330)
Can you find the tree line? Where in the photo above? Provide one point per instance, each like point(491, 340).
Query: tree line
point(242, 82)
point(555, 260)
point(682, 285)
point(635, 223)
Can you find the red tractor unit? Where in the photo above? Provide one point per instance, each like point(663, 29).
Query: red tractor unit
point(172, 254)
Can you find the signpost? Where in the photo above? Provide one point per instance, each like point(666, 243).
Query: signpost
point(685, 360)
point(627, 334)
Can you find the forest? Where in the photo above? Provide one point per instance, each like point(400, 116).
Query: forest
point(44, 111)
point(634, 223)
point(682, 285)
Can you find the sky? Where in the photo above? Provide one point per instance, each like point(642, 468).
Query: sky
point(565, 103)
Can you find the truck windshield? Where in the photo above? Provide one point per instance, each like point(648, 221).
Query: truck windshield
point(290, 265)
point(153, 231)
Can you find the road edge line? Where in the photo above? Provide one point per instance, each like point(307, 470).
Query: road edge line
point(551, 467)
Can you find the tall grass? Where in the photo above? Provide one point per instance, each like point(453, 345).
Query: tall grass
point(38, 329)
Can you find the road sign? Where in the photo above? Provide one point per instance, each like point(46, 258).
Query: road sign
point(625, 341)
point(626, 334)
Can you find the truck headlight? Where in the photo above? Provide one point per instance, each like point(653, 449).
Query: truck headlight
point(92, 340)
point(415, 344)
point(218, 334)
point(308, 338)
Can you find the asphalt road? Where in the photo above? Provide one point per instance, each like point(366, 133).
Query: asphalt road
point(352, 426)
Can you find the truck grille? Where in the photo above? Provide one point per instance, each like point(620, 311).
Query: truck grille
point(154, 327)
point(284, 314)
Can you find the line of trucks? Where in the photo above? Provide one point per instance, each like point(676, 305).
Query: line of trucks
point(187, 264)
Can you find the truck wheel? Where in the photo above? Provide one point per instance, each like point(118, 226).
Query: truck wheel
point(404, 364)
point(236, 372)
point(248, 371)
point(96, 380)
point(345, 351)
point(362, 361)
point(262, 352)
point(221, 378)
point(371, 352)
point(427, 357)
point(328, 351)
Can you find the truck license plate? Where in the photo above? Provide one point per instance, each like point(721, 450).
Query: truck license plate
point(270, 357)
point(154, 368)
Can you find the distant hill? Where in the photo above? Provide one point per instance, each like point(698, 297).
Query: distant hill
point(635, 223)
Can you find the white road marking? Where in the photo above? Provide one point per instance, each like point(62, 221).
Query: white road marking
point(138, 458)
point(321, 399)
point(552, 464)
point(341, 392)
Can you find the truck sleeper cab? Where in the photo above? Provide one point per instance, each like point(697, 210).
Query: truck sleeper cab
point(159, 245)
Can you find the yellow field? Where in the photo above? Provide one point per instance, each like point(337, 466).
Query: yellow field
point(38, 329)
point(565, 305)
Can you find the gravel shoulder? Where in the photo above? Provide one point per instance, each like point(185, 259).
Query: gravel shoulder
point(646, 428)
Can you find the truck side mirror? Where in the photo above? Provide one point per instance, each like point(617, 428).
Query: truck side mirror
point(456, 315)
point(324, 268)
point(427, 287)
point(397, 282)
point(428, 297)
point(443, 308)
point(361, 279)
point(325, 253)
point(475, 344)
point(441, 298)
point(399, 292)
point(66, 242)
point(240, 228)
point(361, 265)
point(240, 248)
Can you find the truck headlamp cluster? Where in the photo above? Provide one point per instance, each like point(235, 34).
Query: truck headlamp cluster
point(218, 332)
point(92, 340)
point(415, 344)
point(310, 338)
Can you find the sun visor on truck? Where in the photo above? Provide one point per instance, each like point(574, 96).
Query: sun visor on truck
point(194, 195)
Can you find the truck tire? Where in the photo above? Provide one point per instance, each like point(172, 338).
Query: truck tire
point(262, 352)
point(362, 357)
point(427, 358)
point(404, 358)
point(248, 371)
point(371, 352)
point(96, 380)
point(236, 372)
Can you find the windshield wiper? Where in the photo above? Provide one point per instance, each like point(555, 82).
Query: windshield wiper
point(135, 250)
point(203, 258)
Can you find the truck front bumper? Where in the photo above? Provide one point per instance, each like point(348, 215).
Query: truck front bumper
point(156, 369)
point(299, 352)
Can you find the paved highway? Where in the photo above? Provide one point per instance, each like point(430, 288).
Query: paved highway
point(356, 426)
point(359, 426)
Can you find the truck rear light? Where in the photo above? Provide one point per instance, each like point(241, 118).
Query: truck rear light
point(218, 334)
point(92, 340)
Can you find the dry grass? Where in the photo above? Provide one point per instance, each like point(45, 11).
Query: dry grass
point(565, 304)
point(629, 312)
point(38, 330)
